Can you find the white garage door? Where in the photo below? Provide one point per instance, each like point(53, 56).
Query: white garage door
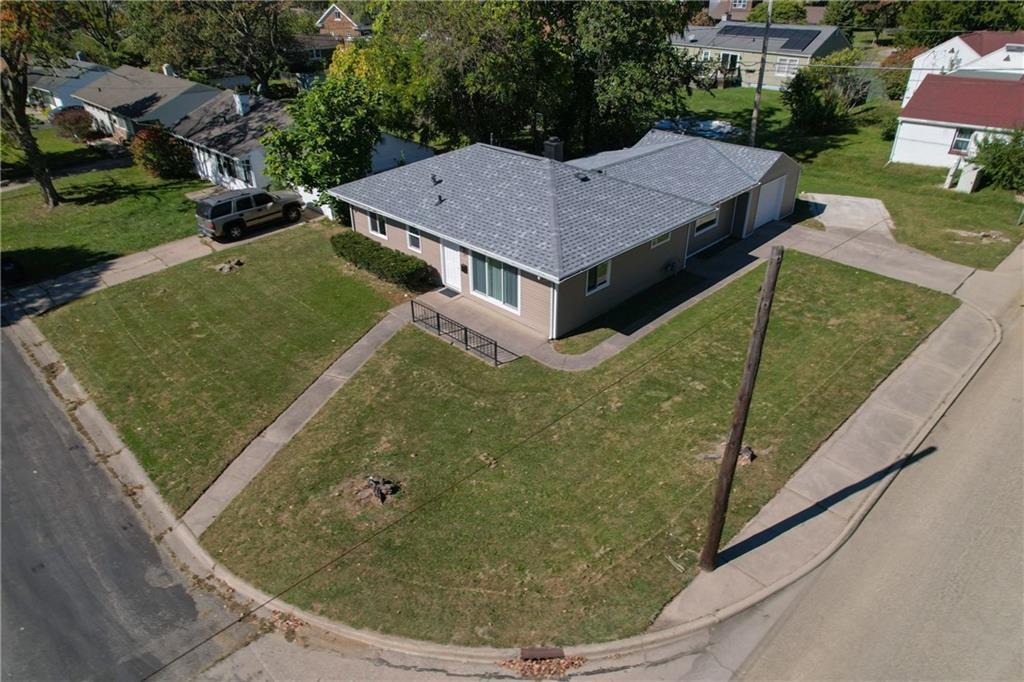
point(769, 203)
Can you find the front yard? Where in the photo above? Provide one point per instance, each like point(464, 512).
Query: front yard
point(855, 162)
point(107, 214)
point(540, 506)
point(191, 364)
point(60, 152)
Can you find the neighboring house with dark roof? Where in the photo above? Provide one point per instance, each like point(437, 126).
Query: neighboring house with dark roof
point(733, 49)
point(995, 52)
point(948, 115)
point(127, 97)
point(51, 86)
point(554, 244)
point(224, 136)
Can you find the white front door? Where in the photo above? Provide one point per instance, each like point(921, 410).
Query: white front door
point(452, 262)
point(769, 202)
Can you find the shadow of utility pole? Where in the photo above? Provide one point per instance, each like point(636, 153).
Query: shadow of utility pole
point(819, 507)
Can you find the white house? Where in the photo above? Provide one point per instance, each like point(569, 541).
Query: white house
point(224, 135)
point(52, 86)
point(949, 114)
point(997, 52)
point(225, 132)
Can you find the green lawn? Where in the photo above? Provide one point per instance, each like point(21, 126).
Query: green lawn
point(190, 364)
point(107, 214)
point(61, 152)
point(552, 507)
point(855, 163)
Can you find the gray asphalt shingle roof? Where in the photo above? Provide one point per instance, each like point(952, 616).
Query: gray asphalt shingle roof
point(704, 170)
point(217, 124)
point(50, 77)
point(138, 93)
point(739, 36)
point(543, 215)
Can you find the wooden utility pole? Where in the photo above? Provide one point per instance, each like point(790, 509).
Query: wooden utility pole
point(760, 77)
point(739, 417)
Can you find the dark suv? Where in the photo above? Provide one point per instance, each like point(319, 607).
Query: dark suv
point(229, 215)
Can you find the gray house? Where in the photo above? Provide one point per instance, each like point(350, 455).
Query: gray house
point(552, 244)
point(51, 86)
point(126, 97)
point(733, 49)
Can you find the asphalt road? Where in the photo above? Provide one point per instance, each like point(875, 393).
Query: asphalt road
point(85, 592)
point(931, 586)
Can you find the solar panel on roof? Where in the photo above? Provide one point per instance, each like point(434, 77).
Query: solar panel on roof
point(796, 38)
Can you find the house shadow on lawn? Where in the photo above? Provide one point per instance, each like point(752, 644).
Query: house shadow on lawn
point(820, 507)
point(110, 190)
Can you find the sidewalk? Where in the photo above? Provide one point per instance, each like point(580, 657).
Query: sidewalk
point(262, 449)
point(35, 299)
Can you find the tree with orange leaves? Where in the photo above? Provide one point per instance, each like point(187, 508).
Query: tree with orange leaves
point(26, 34)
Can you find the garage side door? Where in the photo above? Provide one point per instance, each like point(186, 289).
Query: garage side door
point(769, 203)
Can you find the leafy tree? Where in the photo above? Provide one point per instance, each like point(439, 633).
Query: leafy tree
point(822, 98)
point(930, 22)
point(879, 16)
point(96, 26)
point(27, 30)
point(842, 13)
point(783, 12)
point(1003, 160)
point(73, 123)
point(161, 154)
point(702, 18)
point(335, 126)
point(232, 36)
point(896, 81)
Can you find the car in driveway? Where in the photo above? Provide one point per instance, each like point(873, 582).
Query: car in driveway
point(230, 215)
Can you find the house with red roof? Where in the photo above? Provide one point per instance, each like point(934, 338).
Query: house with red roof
point(992, 52)
point(949, 114)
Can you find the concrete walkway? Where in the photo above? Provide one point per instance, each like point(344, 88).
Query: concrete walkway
point(262, 449)
point(38, 298)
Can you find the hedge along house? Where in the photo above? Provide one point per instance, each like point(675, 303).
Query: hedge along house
point(127, 97)
point(552, 245)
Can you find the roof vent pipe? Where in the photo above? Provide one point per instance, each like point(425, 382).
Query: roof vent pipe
point(168, 70)
point(554, 148)
point(241, 103)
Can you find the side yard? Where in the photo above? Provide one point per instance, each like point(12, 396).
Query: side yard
point(191, 364)
point(538, 506)
point(60, 153)
point(855, 162)
point(108, 214)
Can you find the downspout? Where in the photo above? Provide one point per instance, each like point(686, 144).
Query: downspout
point(554, 312)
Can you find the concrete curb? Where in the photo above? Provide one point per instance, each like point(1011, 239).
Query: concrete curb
point(166, 528)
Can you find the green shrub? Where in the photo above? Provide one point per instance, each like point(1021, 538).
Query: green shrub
point(896, 81)
point(161, 154)
point(820, 97)
point(75, 124)
point(889, 126)
point(783, 12)
point(388, 264)
point(1003, 160)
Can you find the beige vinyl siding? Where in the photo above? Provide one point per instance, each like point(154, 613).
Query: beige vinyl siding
point(785, 166)
point(716, 233)
point(749, 63)
point(430, 250)
point(631, 273)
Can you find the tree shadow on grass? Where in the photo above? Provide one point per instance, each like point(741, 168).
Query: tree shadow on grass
point(37, 279)
point(110, 190)
point(820, 507)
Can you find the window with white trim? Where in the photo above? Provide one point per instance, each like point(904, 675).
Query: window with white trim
point(786, 67)
point(739, 4)
point(495, 280)
point(377, 225)
point(663, 239)
point(412, 238)
point(599, 276)
point(706, 225)
point(962, 140)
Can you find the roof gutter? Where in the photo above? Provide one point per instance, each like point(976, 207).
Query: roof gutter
point(950, 123)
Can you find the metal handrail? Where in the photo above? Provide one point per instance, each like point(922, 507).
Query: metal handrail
point(446, 327)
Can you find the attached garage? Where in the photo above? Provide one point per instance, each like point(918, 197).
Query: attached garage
point(770, 201)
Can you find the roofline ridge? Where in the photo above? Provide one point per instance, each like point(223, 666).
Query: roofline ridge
point(655, 148)
point(651, 189)
point(556, 242)
point(726, 157)
point(514, 152)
